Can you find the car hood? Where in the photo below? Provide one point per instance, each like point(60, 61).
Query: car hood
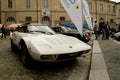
point(55, 44)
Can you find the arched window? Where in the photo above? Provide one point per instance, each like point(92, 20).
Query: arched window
point(46, 20)
point(10, 19)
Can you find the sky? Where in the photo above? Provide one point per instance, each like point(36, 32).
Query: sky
point(115, 0)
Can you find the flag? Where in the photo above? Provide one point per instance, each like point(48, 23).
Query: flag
point(73, 9)
point(86, 13)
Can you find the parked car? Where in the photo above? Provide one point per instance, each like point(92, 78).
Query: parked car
point(73, 32)
point(40, 43)
point(117, 36)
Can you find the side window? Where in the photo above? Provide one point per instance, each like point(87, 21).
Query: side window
point(23, 29)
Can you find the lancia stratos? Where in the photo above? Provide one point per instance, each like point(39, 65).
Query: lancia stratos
point(40, 43)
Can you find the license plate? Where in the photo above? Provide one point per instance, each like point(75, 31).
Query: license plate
point(74, 54)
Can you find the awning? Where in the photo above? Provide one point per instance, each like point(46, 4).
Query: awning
point(72, 25)
point(14, 25)
point(69, 25)
point(85, 25)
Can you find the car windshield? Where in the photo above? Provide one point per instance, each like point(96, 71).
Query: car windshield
point(65, 29)
point(40, 28)
point(73, 29)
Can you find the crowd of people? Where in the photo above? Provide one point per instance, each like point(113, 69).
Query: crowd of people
point(103, 29)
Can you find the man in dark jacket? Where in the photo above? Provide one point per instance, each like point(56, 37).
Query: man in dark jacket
point(3, 31)
point(107, 28)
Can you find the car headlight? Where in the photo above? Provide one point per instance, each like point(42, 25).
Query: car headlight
point(86, 51)
point(48, 57)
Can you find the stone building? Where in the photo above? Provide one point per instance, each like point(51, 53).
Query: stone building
point(118, 13)
point(103, 9)
point(51, 12)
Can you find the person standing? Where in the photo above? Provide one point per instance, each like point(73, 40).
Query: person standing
point(3, 31)
point(96, 30)
point(107, 28)
point(102, 28)
point(101, 25)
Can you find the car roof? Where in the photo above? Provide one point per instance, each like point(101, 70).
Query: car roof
point(37, 24)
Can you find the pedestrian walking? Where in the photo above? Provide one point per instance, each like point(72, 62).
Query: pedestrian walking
point(96, 30)
point(3, 32)
point(103, 30)
point(107, 28)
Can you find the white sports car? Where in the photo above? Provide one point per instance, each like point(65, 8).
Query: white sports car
point(38, 42)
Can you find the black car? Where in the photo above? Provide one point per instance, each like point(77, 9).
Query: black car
point(70, 32)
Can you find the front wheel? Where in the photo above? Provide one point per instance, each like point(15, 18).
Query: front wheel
point(12, 45)
point(25, 57)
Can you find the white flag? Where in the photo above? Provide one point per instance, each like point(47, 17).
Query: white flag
point(86, 13)
point(73, 9)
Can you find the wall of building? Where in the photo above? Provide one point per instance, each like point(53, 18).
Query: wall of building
point(98, 11)
point(54, 11)
point(118, 13)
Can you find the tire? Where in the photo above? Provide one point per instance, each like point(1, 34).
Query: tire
point(12, 45)
point(25, 56)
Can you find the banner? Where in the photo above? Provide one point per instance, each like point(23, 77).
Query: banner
point(73, 9)
point(86, 13)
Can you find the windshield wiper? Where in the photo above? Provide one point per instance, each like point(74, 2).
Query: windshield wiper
point(50, 33)
point(38, 31)
point(43, 32)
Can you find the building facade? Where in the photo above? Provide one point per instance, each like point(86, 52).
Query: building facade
point(118, 13)
point(51, 12)
point(103, 10)
point(0, 11)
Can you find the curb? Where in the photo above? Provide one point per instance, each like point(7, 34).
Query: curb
point(98, 69)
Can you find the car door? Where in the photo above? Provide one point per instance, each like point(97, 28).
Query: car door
point(17, 36)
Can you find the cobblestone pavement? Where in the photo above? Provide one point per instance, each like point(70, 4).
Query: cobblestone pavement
point(11, 67)
point(111, 53)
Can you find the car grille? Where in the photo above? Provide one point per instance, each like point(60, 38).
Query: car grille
point(69, 55)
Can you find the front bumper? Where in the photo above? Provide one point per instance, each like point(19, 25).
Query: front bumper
point(57, 57)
